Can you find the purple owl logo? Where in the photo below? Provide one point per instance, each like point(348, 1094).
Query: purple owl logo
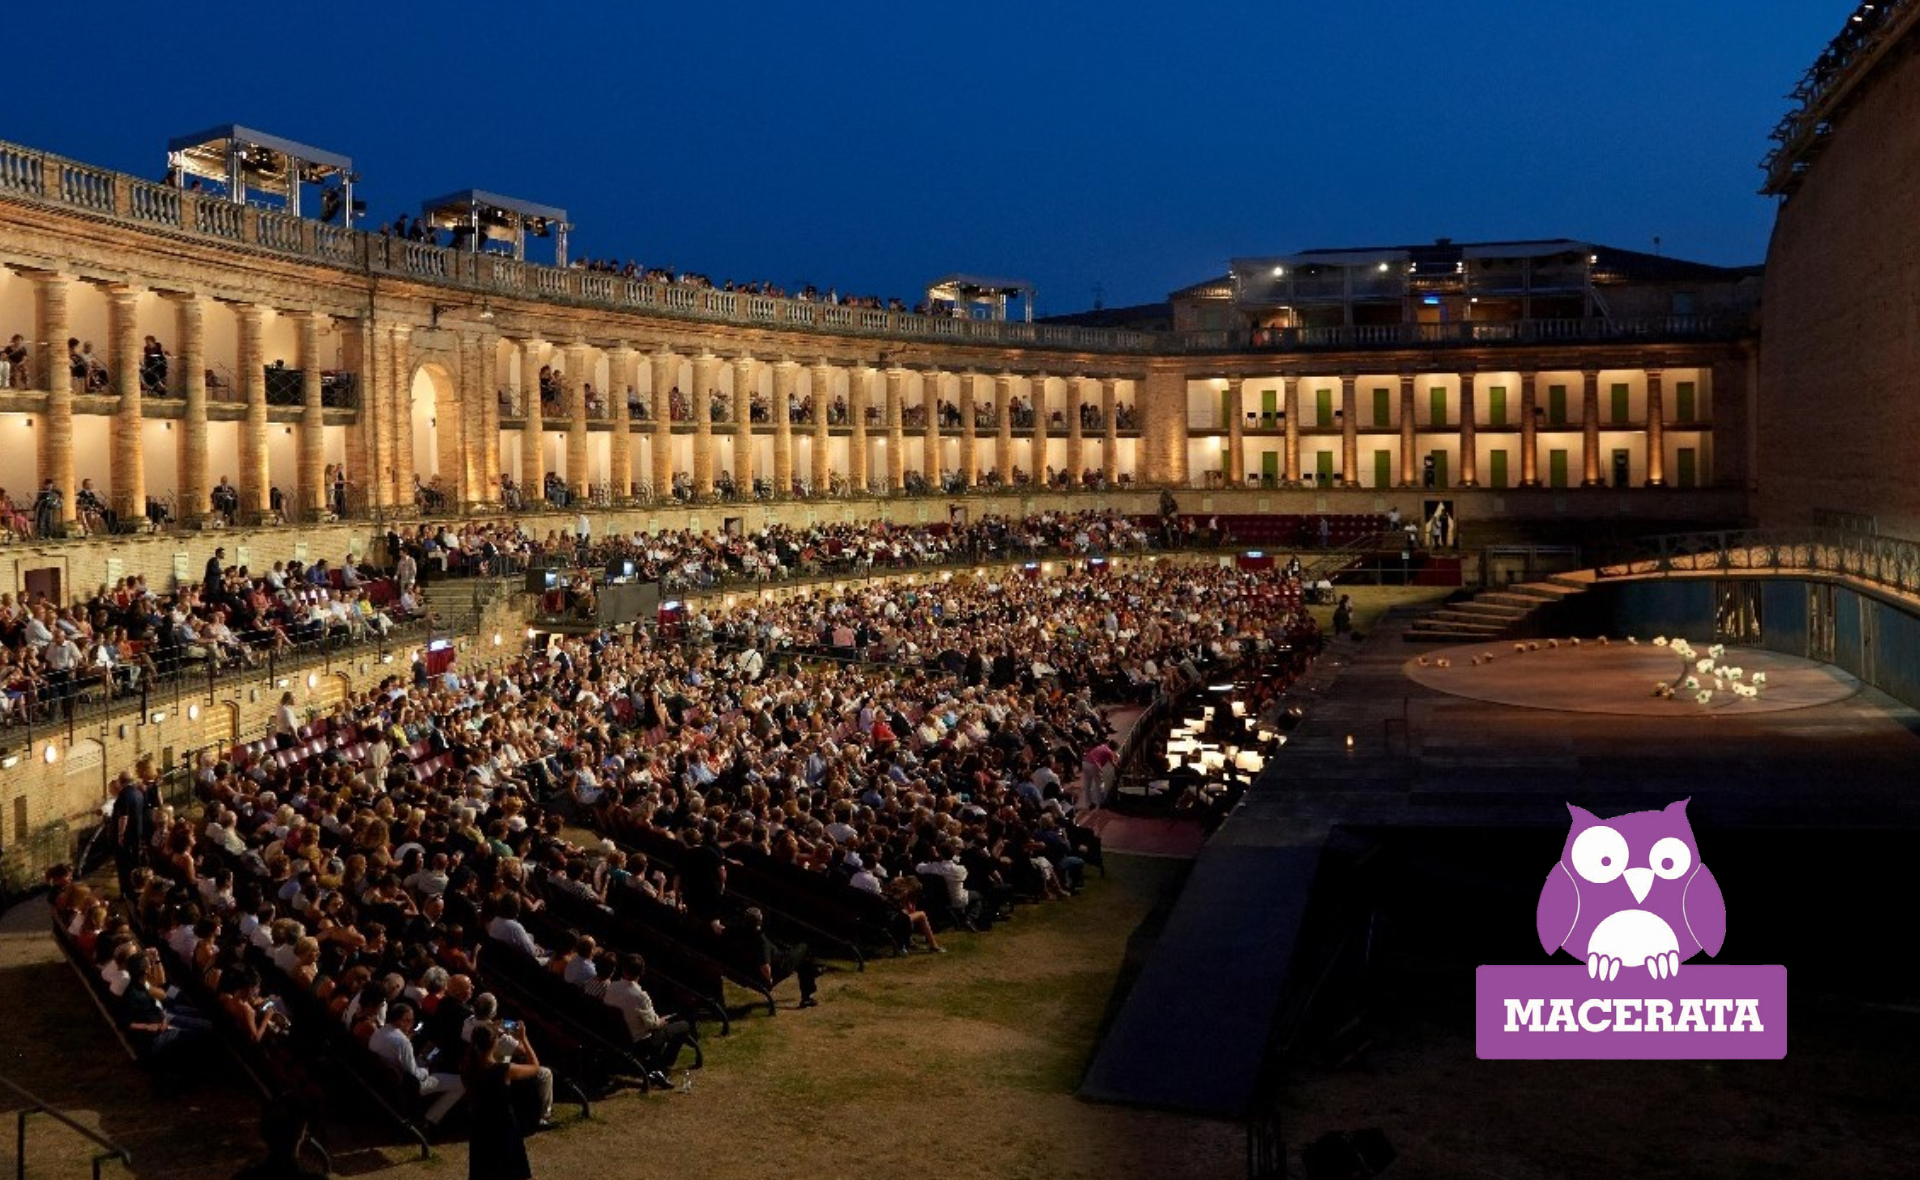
point(1630, 892)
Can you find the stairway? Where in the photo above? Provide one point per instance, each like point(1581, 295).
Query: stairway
point(458, 603)
point(1491, 614)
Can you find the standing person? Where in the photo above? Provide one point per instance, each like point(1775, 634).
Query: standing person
point(130, 830)
point(286, 723)
point(1343, 615)
point(215, 572)
point(46, 510)
point(1093, 776)
point(497, 1148)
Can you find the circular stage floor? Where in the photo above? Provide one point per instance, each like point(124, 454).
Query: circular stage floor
point(1618, 677)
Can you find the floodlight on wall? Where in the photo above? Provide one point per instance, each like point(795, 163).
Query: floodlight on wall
point(193, 712)
point(313, 681)
point(51, 754)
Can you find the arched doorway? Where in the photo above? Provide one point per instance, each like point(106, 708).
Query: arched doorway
point(438, 448)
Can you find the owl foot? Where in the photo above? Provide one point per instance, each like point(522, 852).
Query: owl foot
point(1602, 967)
point(1664, 966)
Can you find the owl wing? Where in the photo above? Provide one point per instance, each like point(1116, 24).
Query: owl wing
point(1705, 910)
point(1559, 909)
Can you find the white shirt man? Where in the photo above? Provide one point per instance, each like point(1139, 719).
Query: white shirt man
point(391, 1045)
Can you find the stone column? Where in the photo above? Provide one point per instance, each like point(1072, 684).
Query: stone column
point(1469, 461)
point(1408, 468)
point(1656, 429)
point(896, 430)
point(930, 449)
point(1003, 446)
point(487, 415)
point(622, 375)
point(254, 480)
point(857, 384)
point(376, 415)
point(1110, 429)
point(1529, 431)
point(1590, 428)
point(312, 496)
point(129, 450)
point(820, 381)
point(1076, 431)
point(192, 365)
point(469, 445)
point(403, 415)
point(969, 432)
point(56, 441)
point(743, 388)
point(1236, 464)
point(1037, 391)
point(533, 426)
point(706, 368)
point(573, 385)
point(1349, 432)
point(1292, 386)
point(666, 375)
point(786, 379)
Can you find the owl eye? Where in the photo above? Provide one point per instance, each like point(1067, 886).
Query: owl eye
point(1600, 854)
point(1670, 857)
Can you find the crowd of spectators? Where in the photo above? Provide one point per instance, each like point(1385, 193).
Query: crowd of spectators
point(127, 635)
point(365, 867)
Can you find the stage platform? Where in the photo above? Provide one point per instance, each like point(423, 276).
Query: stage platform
point(1452, 748)
point(1619, 677)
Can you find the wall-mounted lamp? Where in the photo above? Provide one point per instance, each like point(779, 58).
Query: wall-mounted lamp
point(51, 754)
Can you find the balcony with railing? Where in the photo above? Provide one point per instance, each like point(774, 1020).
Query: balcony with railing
point(1461, 334)
point(46, 179)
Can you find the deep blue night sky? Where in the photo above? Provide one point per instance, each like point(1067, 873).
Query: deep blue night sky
point(872, 146)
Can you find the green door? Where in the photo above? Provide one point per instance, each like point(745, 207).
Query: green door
point(1437, 400)
point(1621, 473)
point(1269, 408)
point(1497, 406)
point(1498, 461)
point(1556, 405)
point(1439, 468)
point(1689, 467)
point(1683, 401)
point(1383, 467)
point(1620, 402)
point(1557, 468)
point(1269, 469)
point(1381, 418)
point(1323, 468)
point(1323, 407)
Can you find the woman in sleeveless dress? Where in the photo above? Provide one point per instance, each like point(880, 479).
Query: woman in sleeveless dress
point(496, 1149)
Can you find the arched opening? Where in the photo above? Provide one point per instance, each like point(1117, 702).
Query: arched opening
point(437, 445)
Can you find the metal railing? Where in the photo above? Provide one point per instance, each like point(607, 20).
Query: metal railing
point(1465, 333)
point(44, 178)
point(175, 682)
point(109, 1150)
point(1890, 562)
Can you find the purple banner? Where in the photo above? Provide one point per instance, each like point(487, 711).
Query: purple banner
point(1704, 1012)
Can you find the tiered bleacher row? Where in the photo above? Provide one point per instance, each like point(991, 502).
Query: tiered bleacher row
point(363, 898)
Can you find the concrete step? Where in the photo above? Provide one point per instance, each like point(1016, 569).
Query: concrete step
point(1468, 623)
point(1417, 634)
point(1487, 605)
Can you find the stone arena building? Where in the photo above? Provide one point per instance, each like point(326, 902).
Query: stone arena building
point(1533, 383)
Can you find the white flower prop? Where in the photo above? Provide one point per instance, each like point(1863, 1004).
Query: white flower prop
point(1705, 695)
point(1553, 644)
point(1486, 658)
point(1759, 678)
point(1660, 688)
point(1633, 641)
point(1519, 649)
point(1735, 673)
point(1660, 642)
point(1702, 665)
point(1475, 661)
point(1422, 661)
point(1721, 672)
point(1575, 641)
point(1534, 646)
point(1718, 684)
point(1603, 641)
point(1691, 684)
point(1717, 650)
